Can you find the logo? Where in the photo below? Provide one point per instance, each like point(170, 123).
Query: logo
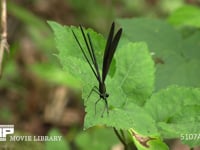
point(9, 129)
point(5, 130)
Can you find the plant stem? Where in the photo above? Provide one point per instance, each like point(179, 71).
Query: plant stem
point(122, 133)
point(121, 138)
point(3, 41)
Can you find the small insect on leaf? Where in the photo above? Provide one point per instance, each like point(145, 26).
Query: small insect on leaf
point(110, 49)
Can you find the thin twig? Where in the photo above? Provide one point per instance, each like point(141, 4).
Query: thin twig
point(120, 138)
point(122, 133)
point(3, 42)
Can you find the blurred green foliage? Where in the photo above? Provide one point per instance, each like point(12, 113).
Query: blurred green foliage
point(21, 145)
point(6, 114)
point(96, 138)
point(180, 56)
point(34, 26)
point(186, 16)
point(60, 145)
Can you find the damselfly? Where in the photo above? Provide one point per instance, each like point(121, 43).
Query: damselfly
point(110, 48)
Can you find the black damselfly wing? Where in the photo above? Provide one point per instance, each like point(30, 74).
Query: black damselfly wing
point(111, 46)
point(110, 49)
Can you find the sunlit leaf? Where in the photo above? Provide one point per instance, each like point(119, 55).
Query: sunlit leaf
point(187, 15)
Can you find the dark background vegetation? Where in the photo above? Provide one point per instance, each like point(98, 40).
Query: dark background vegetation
point(33, 93)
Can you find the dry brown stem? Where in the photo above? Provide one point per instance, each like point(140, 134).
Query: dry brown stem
point(3, 42)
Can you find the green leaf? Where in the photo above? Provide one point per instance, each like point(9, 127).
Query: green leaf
point(135, 58)
point(191, 46)
point(146, 142)
point(135, 71)
point(159, 36)
point(184, 124)
point(67, 45)
point(71, 57)
point(129, 116)
point(187, 132)
point(177, 56)
point(127, 87)
point(176, 111)
point(62, 145)
point(183, 72)
point(186, 16)
point(189, 113)
point(178, 96)
point(95, 139)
